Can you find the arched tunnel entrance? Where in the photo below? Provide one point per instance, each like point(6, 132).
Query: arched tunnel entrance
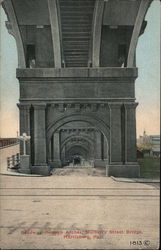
point(77, 143)
point(76, 160)
point(77, 156)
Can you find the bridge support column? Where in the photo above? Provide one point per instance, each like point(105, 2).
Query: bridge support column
point(40, 164)
point(105, 150)
point(56, 153)
point(98, 149)
point(130, 167)
point(115, 133)
point(130, 133)
point(24, 115)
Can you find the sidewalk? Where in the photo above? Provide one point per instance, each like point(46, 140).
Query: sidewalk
point(136, 180)
point(82, 172)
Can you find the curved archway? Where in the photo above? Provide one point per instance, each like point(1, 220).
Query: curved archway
point(93, 121)
point(76, 148)
point(77, 152)
point(144, 5)
point(14, 30)
point(85, 147)
point(68, 139)
point(100, 155)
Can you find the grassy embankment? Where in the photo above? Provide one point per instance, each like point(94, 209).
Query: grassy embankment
point(149, 167)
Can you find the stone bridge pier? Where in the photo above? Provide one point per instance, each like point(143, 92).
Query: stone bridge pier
point(77, 72)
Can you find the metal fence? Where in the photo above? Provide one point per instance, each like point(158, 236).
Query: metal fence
point(13, 161)
point(6, 142)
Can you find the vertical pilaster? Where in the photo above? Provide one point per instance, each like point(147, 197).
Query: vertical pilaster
point(115, 133)
point(56, 153)
point(49, 151)
point(39, 135)
point(98, 148)
point(24, 114)
point(92, 152)
point(130, 133)
point(63, 155)
point(52, 148)
point(105, 148)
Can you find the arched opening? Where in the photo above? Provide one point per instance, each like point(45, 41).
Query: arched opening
point(77, 156)
point(9, 63)
point(83, 146)
point(78, 140)
point(77, 160)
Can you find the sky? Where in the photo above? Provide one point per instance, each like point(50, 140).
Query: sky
point(147, 84)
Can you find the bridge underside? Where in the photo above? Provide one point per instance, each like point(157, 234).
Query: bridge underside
point(77, 71)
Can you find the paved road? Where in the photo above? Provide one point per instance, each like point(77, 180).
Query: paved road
point(78, 212)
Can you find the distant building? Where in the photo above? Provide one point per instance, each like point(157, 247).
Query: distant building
point(143, 139)
point(155, 144)
point(149, 144)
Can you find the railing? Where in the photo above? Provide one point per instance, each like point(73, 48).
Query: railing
point(6, 142)
point(13, 162)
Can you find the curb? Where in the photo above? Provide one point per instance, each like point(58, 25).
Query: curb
point(135, 180)
point(22, 175)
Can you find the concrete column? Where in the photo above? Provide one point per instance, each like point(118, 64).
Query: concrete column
point(56, 153)
point(115, 133)
point(24, 114)
point(52, 147)
point(105, 148)
point(98, 149)
point(63, 156)
point(92, 152)
point(130, 133)
point(40, 164)
point(49, 152)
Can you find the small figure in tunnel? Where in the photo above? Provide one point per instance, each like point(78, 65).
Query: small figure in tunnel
point(77, 160)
